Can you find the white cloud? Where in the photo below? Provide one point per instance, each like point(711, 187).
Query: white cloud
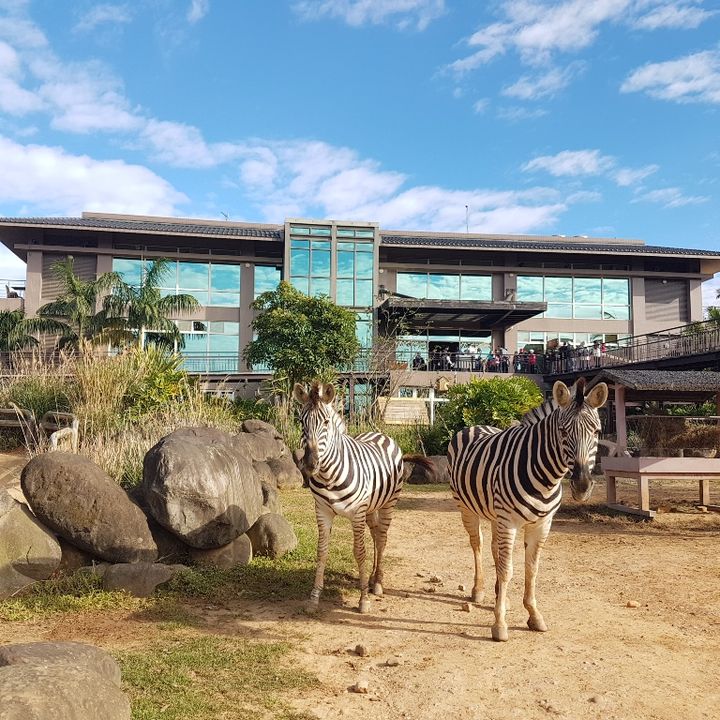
point(543, 84)
point(629, 176)
point(11, 266)
point(693, 78)
point(104, 14)
point(675, 14)
point(50, 180)
point(671, 197)
point(402, 13)
point(571, 163)
point(480, 106)
point(14, 99)
point(710, 290)
point(198, 10)
point(518, 114)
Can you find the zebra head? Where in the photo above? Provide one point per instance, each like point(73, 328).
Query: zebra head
point(319, 421)
point(579, 428)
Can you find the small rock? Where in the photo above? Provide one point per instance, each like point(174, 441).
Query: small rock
point(596, 700)
point(462, 588)
point(361, 686)
point(436, 579)
point(632, 604)
point(392, 661)
point(361, 650)
point(466, 607)
point(406, 594)
point(430, 589)
point(418, 574)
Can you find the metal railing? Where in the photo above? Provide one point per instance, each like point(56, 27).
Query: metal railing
point(12, 288)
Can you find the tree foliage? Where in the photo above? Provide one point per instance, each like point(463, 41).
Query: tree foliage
point(18, 332)
point(496, 401)
point(301, 337)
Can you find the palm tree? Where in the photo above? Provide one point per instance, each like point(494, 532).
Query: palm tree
point(18, 332)
point(75, 311)
point(143, 314)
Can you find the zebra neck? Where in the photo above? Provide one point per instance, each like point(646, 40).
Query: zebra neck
point(329, 464)
point(555, 466)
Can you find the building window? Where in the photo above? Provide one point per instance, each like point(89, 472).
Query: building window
point(581, 298)
point(538, 340)
point(267, 278)
point(210, 347)
point(447, 286)
point(355, 274)
point(310, 260)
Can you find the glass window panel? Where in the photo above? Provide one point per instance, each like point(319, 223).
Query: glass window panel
point(590, 312)
point(195, 342)
point(364, 233)
point(320, 245)
point(616, 291)
point(364, 265)
point(345, 264)
point(363, 293)
point(345, 232)
point(558, 290)
point(363, 331)
point(294, 229)
point(267, 278)
point(616, 312)
point(224, 328)
point(299, 243)
point(193, 276)
point(320, 286)
point(412, 284)
point(300, 262)
point(164, 292)
point(320, 231)
point(443, 287)
point(344, 291)
point(529, 288)
point(557, 310)
point(224, 343)
point(225, 277)
point(131, 270)
point(198, 326)
point(320, 263)
point(475, 287)
point(587, 290)
point(301, 284)
point(201, 297)
point(364, 247)
point(224, 299)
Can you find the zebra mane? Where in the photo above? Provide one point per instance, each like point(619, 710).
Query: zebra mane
point(539, 413)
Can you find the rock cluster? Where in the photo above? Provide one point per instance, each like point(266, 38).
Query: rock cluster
point(207, 496)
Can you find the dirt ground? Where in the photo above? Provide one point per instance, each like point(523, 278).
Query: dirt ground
point(599, 659)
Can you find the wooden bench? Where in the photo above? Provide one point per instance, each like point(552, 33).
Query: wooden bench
point(644, 469)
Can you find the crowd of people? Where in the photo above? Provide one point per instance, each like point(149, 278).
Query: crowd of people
point(556, 358)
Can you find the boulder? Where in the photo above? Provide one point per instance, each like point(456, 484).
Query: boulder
point(237, 552)
point(285, 472)
point(61, 691)
point(73, 558)
point(71, 653)
point(271, 500)
point(200, 484)
point(78, 500)
point(272, 535)
point(438, 473)
point(138, 579)
point(266, 445)
point(28, 551)
point(260, 426)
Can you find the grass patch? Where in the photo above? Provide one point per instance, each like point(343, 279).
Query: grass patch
point(209, 677)
point(429, 488)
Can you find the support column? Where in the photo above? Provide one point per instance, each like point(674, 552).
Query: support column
point(620, 420)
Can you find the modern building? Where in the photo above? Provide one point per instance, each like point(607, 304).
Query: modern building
point(431, 290)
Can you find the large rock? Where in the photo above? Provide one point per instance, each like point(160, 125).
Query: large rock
point(73, 558)
point(271, 499)
point(138, 579)
point(28, 551)
point(200, 484)
point(265, 445)
point(438, 472)
point(272, 535)
point(72, 653)
point(59, 691)
point(237, 552)
point(78, 500)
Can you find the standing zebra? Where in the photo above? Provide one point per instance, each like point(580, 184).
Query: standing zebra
point(359, 478)
point(514, 479)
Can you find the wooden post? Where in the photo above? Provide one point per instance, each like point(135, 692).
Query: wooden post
point(644, 493)
point(611, 485)
point(704, 491)
point(620, 420)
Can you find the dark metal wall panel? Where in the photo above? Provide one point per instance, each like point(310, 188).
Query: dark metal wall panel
point(85, 268)
point(666, 301)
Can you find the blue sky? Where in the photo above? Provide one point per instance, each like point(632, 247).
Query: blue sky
point(572, 117)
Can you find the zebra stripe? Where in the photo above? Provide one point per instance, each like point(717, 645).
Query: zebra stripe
point(359, 478)
point(513, 478)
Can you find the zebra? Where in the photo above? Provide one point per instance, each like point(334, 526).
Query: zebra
point(513, 478)
point(359, 478)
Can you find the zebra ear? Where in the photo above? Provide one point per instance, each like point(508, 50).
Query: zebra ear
point(598, 396)
point(328, 393)
point(561, 394)
point(300, 394)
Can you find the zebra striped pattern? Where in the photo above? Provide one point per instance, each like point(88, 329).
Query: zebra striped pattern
point(359, 478)
point(513, 478)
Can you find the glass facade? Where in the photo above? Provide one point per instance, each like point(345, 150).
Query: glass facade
point(211, 347)
point(354, 273)
point(310, 259)
point(445, 286)
point(427, 344)
point(584, 298)
point(538, 340)
point(211, 284)
point(267, 277)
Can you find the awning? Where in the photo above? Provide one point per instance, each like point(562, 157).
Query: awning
point(403, 314)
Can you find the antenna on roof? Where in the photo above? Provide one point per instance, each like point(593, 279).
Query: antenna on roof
point(467, 222)
point(225, 215)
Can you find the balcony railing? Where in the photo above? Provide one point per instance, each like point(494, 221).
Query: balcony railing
point(12, 288)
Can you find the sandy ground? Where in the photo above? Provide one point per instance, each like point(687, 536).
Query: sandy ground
point(600, 658)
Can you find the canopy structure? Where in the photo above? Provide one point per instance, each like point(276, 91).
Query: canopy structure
point(469, 315)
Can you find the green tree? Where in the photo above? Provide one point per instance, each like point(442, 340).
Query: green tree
point(18, 332)
point(301, 337)
point(142, 315)
point(74, 313)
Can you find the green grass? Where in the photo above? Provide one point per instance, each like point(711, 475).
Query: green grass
point(204, 678)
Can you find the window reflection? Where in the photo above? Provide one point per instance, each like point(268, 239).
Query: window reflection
point(267, 278)
point(445, 286)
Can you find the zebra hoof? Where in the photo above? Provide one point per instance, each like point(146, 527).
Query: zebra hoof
point(377, 589)
point(537, 624)
point(477, 596)
point(499, 633)
point(364, 606)
point(311, 608)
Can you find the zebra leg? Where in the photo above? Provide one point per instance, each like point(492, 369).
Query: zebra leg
point(504, 538)
point(471, 521)
point(325, 517)
point(373, 522)
point(358, 526)
point(383, 518)
point(535, 536)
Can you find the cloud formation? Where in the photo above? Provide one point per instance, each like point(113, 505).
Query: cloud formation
point(401, 13)
point(198, 10)
point(104, 14)
point(671, 197)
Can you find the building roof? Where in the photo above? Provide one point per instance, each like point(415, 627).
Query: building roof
point(538, 243)
point(165, 226)
point(666, 381)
